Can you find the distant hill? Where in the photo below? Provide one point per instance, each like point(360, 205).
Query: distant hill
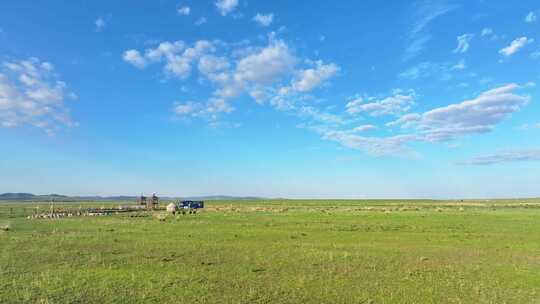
point(28, 197)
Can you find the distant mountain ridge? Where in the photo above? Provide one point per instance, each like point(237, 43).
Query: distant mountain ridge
point(64, 198)
point(30, 196)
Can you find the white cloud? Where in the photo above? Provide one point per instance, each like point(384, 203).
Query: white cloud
point(226, 6)
point(420, 70)
point(353, 106)
point(443, 71)
point(218, 105)
point(267, 65)
point(530, 18)
point(504, 157)
point(269, 74)
point(200, 21)
point(364, 128)
point(478, 115)
point(177, 57)
point(272, 74)
point(281, 102)
point(396, 104)
point(184, 11)
point(258, 94)
point(378, 146)
point(165, 49)
point(463, 43)
point(264, 20)
point(460, 65)
point(486, 32)
point(416, 47)
point(211, 65)
point(320, 116)
point(30, 94)
point(180, 64)
point(186, 108)
point(100, 24)
point(406, 121)
point(515, 46)
point(308, 79)
point(208, 110)
point(256, 71)
point(135, 58)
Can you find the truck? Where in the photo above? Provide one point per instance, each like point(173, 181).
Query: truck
point(190, 207)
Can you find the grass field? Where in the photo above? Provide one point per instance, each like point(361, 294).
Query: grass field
point(279, 252)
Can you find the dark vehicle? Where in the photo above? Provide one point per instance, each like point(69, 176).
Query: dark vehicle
point(190, 206)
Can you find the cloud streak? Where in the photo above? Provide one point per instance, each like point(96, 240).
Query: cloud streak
point(504, 157)
point(463, 43)
point(377, 146)
point(426, 12)
point(474, 116)
point(394, 105)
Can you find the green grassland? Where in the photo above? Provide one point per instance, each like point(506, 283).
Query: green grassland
point(277, 251)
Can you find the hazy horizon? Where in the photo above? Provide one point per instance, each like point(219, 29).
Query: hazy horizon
point(300, 197)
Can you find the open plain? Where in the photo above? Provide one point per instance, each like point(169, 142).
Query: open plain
point(276, 251)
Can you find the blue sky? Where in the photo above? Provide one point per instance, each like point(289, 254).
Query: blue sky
point(349, 99)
